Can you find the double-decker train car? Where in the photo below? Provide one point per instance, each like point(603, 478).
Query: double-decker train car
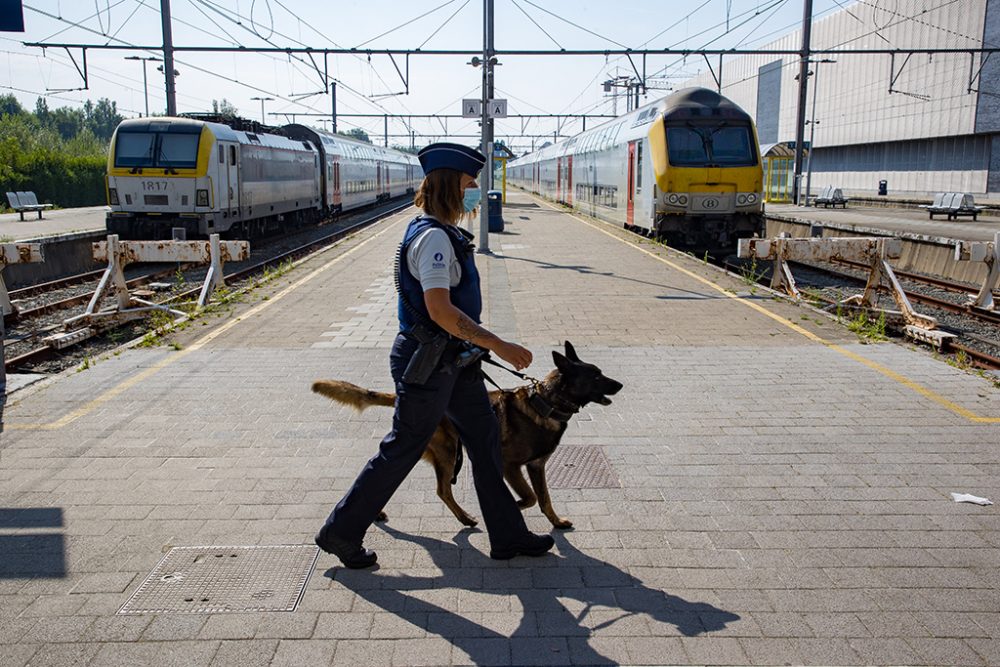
point(241, 179)
point(685, 169)
point(356, 173)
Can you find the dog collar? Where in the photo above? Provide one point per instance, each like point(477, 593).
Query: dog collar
point(546, 409)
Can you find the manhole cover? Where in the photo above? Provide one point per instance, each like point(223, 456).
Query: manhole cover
point(580, 467)
point(212, 580)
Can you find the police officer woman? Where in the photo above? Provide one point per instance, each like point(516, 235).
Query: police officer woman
point(439, 308)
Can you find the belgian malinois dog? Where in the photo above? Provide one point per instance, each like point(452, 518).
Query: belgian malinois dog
point(532, 419)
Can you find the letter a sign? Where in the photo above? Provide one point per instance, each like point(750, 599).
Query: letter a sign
point(472, 108)
point(498, 109)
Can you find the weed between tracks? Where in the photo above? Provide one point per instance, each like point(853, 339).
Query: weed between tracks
point(867, 329)
point(160, 323)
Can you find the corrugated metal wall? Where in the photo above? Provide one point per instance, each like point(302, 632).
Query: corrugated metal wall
point(869, 100)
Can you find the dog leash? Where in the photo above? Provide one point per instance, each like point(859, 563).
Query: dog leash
point(489, 360)
point(535, 399)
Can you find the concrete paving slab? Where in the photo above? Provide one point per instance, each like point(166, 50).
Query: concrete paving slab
point(897, 220)
point(53, 223)
point(784, 488)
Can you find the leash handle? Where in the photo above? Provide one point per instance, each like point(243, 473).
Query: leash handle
point(522, 376)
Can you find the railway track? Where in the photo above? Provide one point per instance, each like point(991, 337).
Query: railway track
point(20, 357)
point(978, 330)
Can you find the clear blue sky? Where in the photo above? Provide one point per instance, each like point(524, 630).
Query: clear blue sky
point(437, 84)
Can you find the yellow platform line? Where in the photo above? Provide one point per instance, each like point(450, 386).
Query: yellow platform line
point(197, 345)
point(874, 365)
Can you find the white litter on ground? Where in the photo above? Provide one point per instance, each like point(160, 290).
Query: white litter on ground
point(968, 498)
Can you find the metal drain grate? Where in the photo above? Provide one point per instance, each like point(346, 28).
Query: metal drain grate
point(580, 467)
point(211, 580)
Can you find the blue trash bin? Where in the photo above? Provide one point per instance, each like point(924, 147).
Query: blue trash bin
point(494, 203)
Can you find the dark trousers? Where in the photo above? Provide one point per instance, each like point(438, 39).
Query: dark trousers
point(461, 396)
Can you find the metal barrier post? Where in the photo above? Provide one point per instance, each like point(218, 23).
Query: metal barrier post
point(12, 253)
point(989, 254)
point(119, 254)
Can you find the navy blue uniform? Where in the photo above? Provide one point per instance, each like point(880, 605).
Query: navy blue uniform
point(459, 394)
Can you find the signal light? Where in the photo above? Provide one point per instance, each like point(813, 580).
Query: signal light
point(201, 198)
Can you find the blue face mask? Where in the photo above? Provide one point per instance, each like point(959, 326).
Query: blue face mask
point(471, 199)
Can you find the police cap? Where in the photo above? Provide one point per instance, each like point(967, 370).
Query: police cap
point(451, 156)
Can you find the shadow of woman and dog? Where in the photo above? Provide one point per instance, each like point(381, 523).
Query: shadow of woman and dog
point(603, 593)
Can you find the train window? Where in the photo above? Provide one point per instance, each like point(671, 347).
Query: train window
point(222, 154)
point(707, 144)
point(178, 150)
point(638, 166)
point(232, 155)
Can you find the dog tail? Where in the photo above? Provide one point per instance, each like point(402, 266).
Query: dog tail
point(351, 394)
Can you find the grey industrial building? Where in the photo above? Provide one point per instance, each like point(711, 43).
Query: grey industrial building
point(924, 123)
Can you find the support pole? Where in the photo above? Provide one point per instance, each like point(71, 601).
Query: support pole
point(168, 57)
point(800, 123)
point(333, 104)
point(145, 87)
point(487, 140)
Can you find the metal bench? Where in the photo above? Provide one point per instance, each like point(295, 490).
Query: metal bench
point(26, 201)
point(831, 196)
point(953, 205)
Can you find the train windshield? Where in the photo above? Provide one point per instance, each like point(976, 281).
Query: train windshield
point(718, 145)
point(157, 149)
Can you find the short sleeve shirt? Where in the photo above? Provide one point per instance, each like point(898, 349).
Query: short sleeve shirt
point(431, 259)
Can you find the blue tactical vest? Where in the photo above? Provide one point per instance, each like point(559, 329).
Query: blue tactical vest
point(465, 295)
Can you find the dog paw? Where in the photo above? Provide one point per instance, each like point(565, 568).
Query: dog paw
point(382, 516)
point(564, 524)
point(469, 521)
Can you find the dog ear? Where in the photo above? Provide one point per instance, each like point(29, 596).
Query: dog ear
point(562, 363)
point(570, 352)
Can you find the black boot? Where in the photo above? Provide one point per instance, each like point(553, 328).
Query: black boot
point(527, 545)
point(351, 554)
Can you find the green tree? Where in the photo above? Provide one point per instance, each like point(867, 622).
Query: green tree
point(9, 106)
point(67, 121)
point(224, 108)
point(357, 133)
point(102, 118)
point(42, 112)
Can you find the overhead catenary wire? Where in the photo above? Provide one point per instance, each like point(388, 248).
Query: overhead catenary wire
point(446, 22)
point(575, 25)
point(529, 17)
point(186, 64)
point(404, 24)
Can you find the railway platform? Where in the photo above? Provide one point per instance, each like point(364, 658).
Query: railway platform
point(886, 220)
point(59, 222)
point(766, 489)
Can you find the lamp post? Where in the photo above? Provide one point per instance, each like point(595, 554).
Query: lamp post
point(262, 100)
point(812, 126)
point(145, 87)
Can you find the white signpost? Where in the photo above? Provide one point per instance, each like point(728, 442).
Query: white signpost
point(472, 108)
point(497, 108)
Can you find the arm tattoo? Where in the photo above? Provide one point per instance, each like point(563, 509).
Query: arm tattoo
point(469, 330)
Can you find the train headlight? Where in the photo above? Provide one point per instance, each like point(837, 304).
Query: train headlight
point(672, 198)
point(201, 198)
point(682, 200)
point(741, 200)
point(752, 198)
point(113, 196)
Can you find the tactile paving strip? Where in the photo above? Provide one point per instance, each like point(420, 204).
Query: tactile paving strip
point(580, 467)
point(218, 579)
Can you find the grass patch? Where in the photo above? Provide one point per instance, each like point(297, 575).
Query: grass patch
point(867, 328)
